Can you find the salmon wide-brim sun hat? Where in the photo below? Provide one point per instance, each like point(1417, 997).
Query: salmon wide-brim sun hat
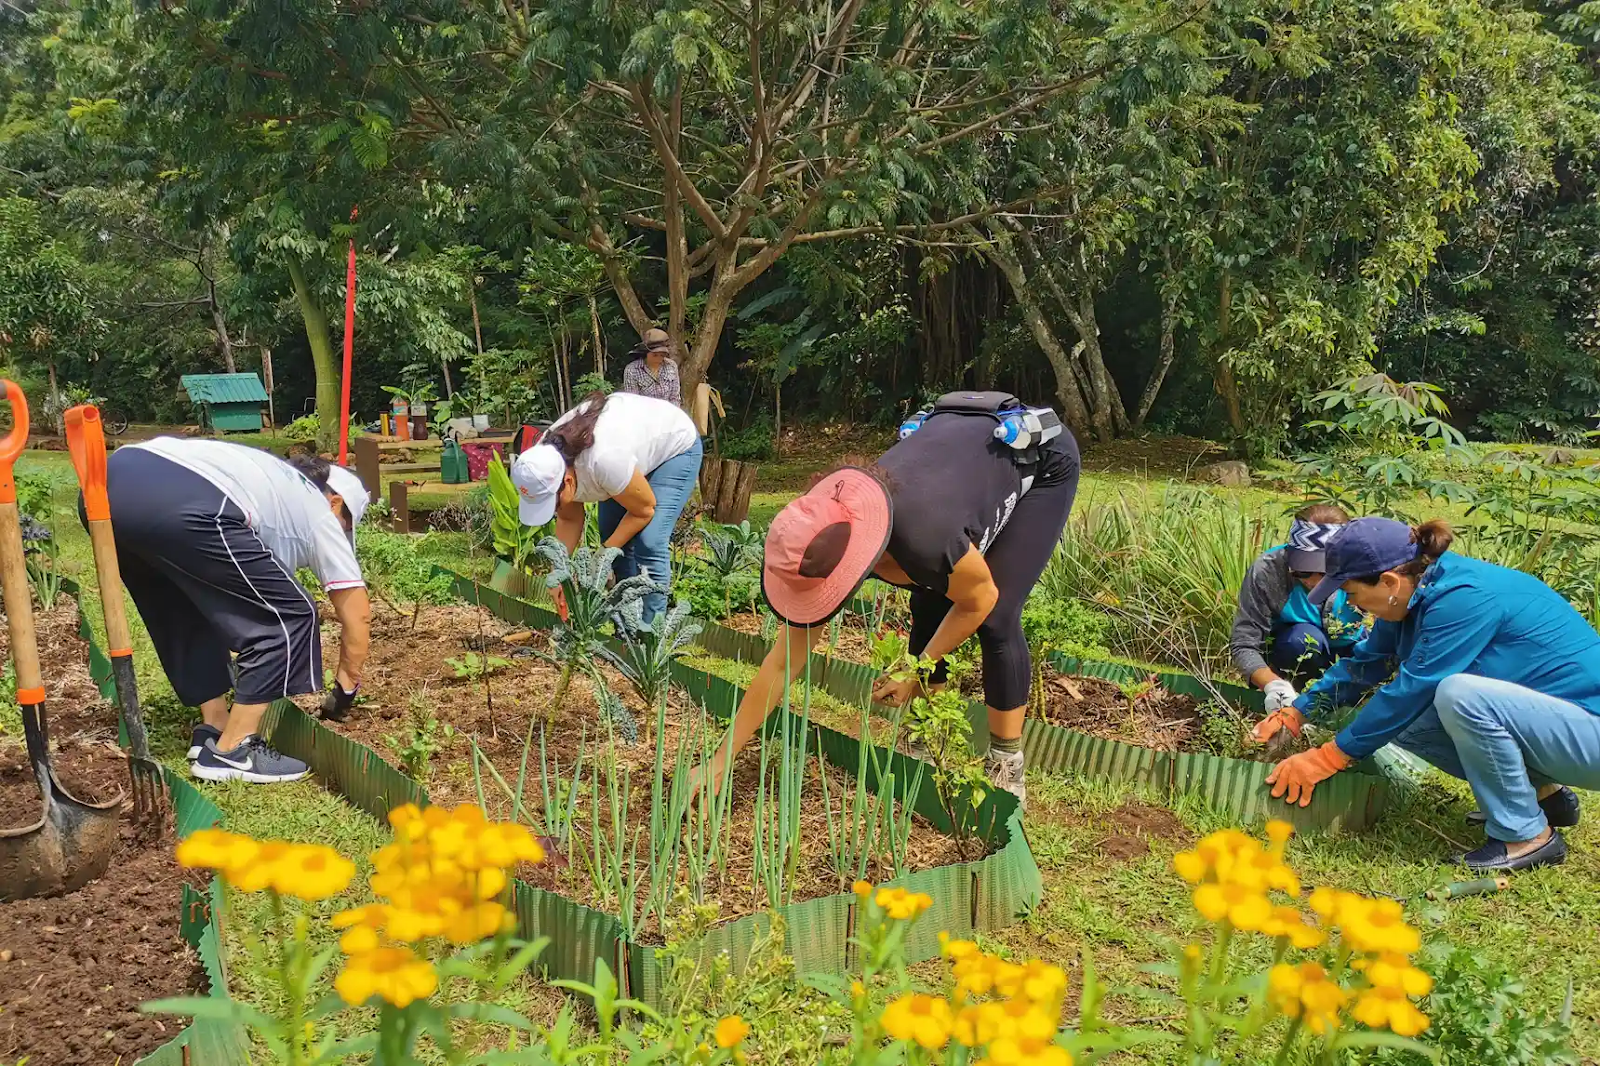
point(849, 495)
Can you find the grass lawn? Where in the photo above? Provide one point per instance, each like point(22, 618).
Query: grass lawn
point(1105, 852)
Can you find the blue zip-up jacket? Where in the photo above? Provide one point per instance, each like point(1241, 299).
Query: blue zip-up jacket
point(1467, 617)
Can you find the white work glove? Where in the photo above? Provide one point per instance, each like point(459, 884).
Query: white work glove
point(1280, 694)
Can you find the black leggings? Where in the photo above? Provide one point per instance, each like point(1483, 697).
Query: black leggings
point(1016, 559)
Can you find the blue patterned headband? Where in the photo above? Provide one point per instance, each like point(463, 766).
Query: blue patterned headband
point(1308, 544)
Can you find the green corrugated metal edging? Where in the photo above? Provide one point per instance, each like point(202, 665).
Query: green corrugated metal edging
point(1234, 786)
point(224, 388)
point(984, 894)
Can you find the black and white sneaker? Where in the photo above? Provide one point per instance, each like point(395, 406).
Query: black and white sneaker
point(253, 760)
point(198, 738)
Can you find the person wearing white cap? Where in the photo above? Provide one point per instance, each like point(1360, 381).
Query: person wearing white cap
point(638, 458)
point(209, 536)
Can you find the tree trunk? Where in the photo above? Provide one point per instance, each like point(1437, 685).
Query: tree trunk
point(1222, 374)
point(1169, 346)
point(1074, 410)
point(714, 316)
point(599, 345)
point(777, 421)
point(323, 364)
point(55, 400)
point(224, 342)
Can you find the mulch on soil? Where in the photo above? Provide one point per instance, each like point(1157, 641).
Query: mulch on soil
point(1152, 718)
point(1131, 827)
point(74, 969)
point(407, 681)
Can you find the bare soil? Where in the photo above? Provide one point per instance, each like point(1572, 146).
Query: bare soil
point(408, 681)
point(1131, 827)
point(1147, 715)
point(74, 969)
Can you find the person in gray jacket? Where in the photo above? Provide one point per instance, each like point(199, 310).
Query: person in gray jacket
point(1279, 639)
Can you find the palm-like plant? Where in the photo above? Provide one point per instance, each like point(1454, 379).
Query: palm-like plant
point(728, 550)
point(648, 652)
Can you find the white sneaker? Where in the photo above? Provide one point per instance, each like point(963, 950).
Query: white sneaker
point(1005, 771)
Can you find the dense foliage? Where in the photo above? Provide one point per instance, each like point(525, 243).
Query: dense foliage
point(1193, 216)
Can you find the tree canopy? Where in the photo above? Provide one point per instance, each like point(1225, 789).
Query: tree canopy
point(1192, 216)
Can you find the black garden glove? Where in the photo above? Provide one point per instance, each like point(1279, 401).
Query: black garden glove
point(337, 703)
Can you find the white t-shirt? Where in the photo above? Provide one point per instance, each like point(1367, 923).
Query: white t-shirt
point(632, 433)
point(288, 512)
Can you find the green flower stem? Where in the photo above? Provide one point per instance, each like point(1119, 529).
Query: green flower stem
point(1289, 1040)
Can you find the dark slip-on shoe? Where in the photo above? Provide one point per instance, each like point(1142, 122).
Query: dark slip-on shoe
point(1560, 809)
point(1492, 856)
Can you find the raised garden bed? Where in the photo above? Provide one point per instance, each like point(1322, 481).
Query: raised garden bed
point(979, 894)
point(75, 969)
point(1237, 787)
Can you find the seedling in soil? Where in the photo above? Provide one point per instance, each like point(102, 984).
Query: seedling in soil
point(425, 736)
point(475, 667)
point(888, 648)
point(40, 550)
point(868, 825)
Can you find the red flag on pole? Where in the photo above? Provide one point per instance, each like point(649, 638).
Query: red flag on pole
point(349, 348)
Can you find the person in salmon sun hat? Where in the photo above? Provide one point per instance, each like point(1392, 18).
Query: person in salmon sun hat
point(959, 513)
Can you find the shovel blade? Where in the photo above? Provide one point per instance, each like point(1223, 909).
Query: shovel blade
point(68, 847)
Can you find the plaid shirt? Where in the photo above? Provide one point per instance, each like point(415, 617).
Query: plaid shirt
point(636, 377)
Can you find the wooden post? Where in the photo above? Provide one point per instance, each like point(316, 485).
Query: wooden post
point(745, 487)
point(266, 372)
point(710, 486)
point(399, 507)
point(367, 465)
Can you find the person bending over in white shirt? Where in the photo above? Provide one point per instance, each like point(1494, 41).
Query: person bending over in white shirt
point(209, 536)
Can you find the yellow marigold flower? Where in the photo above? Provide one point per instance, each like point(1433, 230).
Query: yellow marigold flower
point(475, 923)
point(312, 872)
point(395, 975)
point(1014, 1051)
point(1288, 922)
point(1379, 926)
point(503, 845)
point(213, 849)
point(1190, 866)
point(372, 915)
point(975, 974)
point(1035, 981)
point(857, 989)
point(1388, 1008)
point(862, 889)
point(964, 1029)
point(921, 1019)
point(1240, 907)
point(903, 906)
point(1304, 991)
point(261, 870)
point(956, 950)
point(359, 940)
point(730, 1031)
point(1279, 831)
point(1391, 970)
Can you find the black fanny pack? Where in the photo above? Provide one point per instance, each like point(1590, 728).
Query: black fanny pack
point(1020, 427)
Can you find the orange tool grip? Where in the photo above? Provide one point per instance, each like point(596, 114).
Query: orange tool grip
point(30, 697)
point(15, 441)
point(86, 442)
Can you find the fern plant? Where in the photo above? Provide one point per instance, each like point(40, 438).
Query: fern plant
point(648, 652)
point(594, 605)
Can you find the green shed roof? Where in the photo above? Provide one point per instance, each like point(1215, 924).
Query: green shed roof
point(224, 388)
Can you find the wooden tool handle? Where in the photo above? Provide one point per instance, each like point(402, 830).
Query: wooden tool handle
point(19, 604)
point(13, 557)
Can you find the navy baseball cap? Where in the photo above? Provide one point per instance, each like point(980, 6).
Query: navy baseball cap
point(1363, 548)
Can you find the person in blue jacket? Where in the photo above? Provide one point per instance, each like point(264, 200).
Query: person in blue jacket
point(1485, 672)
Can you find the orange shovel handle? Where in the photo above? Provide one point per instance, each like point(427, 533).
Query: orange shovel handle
point(15, 441)
point(86, 443)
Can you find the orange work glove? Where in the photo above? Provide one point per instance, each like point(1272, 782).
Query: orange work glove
point(1299, 774)
point(559, 596)
point(1267, 728)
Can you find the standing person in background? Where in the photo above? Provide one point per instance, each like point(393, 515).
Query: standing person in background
point(1280, 639)
point(653, 373)
point(209, 536)
point(638, 458)
point(954, 513)
point(1486, 672)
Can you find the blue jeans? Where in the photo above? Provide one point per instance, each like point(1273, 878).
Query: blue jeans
point(650, 550)
point(1506, 741)
point(1300, 651)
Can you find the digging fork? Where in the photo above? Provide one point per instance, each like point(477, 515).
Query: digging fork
point(87, 443)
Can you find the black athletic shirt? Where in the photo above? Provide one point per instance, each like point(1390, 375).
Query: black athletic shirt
point(955, 486)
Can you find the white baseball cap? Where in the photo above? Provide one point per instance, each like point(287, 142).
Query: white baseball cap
point(537, 473)
point(348, 487)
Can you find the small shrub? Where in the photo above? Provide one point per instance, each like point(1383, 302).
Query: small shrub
point(425, 736)
point(475, 667)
